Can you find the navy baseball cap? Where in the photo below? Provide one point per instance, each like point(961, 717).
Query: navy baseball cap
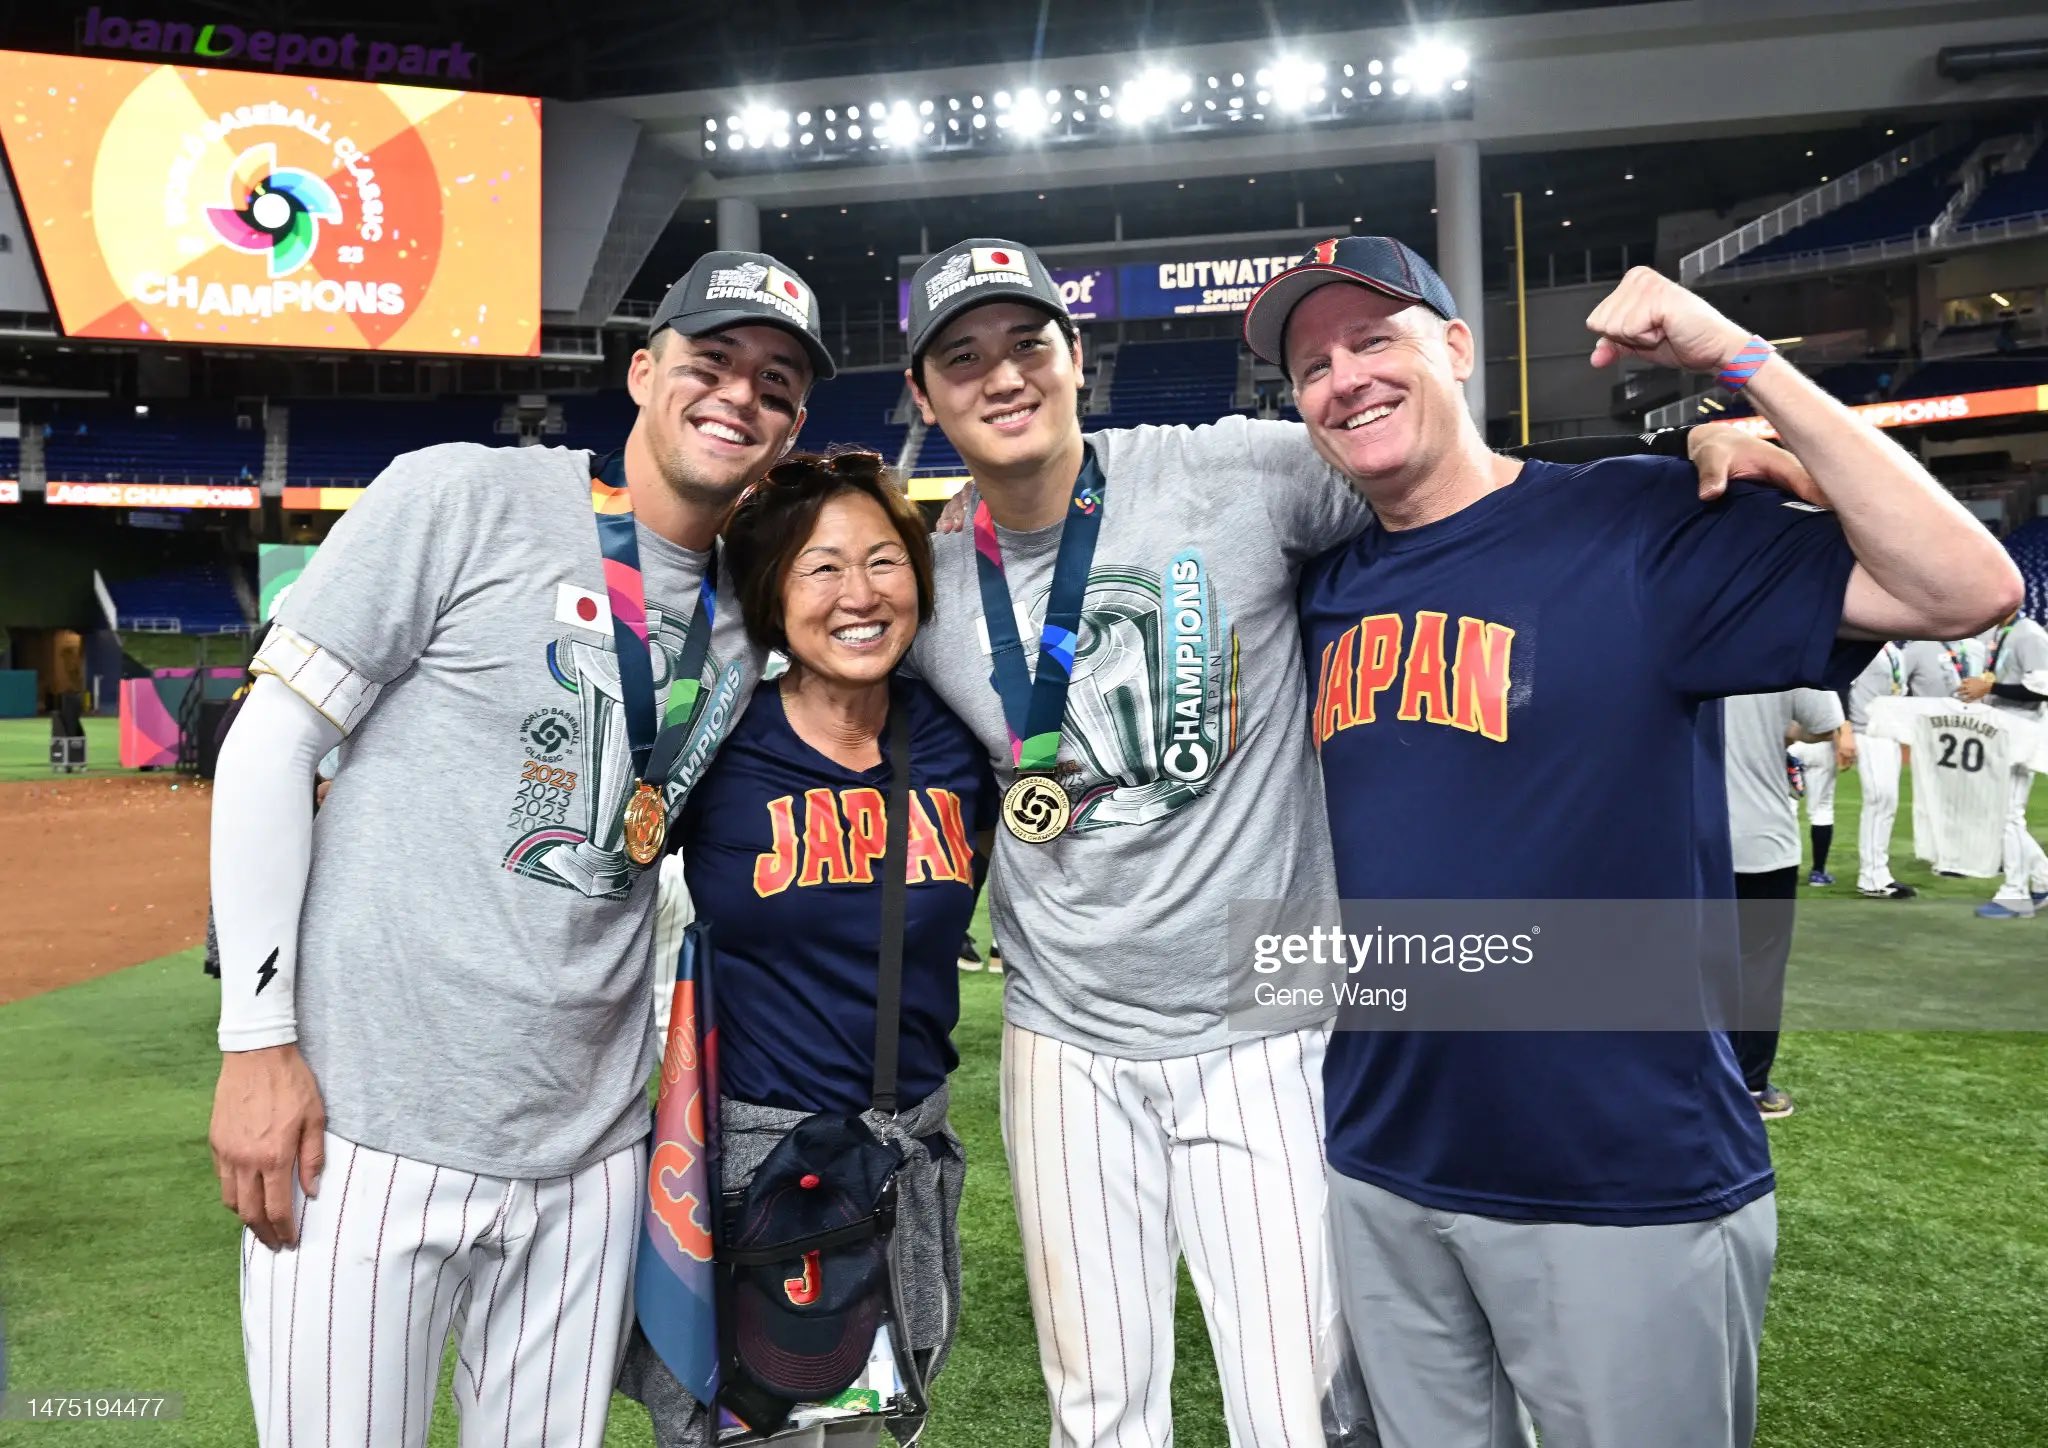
point(1379, 262)
point(969, 273)
point(741, 289)
point(805, 1321)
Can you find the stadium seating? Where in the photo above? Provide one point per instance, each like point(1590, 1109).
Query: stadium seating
point(2016, 193)
point(196, 600)
point(1154, 382)
point(10, 458)
point(2028, 545)
point(336, 443)
point(854, 408)
point(1170, 382)
point(1900, 209)
point(1977, 374)
point(101, 441)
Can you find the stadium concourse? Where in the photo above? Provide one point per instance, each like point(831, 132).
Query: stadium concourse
point(334, 260)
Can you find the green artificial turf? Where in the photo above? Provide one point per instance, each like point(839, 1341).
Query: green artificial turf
point(1910, 1305)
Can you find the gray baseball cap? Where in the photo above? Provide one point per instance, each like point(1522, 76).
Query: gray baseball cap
point(971, 272)
point(745, 288)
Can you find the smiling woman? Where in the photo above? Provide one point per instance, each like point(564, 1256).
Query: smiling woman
point(783, 847)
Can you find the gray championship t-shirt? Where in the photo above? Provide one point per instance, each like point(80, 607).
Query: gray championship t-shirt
point(1763, 820)
point(1185, 750)
point(2022, 659)
point(1932, 670)
point(475, 953)
point(1884, 676)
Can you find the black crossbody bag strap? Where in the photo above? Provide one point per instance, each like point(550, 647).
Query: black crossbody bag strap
point(895, 868)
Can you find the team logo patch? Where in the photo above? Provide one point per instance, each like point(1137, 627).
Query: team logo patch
point(752, 282)
point(583, 608)
point(747, 277)
point(548, 734)
point(943, 282)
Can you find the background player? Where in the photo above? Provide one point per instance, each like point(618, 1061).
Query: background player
point(1763, 833)
point(460, 947)
point(1818, 762)
point(2015, 678)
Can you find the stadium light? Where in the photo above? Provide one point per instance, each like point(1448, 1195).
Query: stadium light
point(1286, 89)
point(1028, 116)
point(1152, 92)
point(901, 127)
point(1292, 79)
point(1431, 65)
point(758, 123)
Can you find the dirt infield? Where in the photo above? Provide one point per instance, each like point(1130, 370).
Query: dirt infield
point(100, 874)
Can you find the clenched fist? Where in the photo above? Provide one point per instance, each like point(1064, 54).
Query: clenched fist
point(1652, 317)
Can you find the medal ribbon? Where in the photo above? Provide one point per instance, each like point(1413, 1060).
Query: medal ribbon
point(1033, 708)
point(626, 590)
point(1893, 658)
point(1991, 663)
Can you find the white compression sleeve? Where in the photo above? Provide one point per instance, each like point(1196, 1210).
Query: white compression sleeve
point(262, 849)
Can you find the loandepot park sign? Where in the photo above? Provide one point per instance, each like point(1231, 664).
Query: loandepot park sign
point(280, 50)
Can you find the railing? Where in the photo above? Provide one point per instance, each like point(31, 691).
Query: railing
point(1832, 196)
point(1894, 248)
point(1960, 203)
point(65, 473)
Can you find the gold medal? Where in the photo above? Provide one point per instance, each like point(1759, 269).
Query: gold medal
point(1036, 809)
point(646, 825)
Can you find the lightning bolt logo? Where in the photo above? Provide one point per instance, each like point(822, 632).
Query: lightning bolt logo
point(267, 972)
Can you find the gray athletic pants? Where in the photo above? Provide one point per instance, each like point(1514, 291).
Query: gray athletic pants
point(1613, 1337)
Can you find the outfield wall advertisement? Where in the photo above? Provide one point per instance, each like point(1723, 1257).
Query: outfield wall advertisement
point(174, 204)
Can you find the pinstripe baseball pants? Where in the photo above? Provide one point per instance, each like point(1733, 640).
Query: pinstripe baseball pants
point(1119, 1167)
point(344, 1333)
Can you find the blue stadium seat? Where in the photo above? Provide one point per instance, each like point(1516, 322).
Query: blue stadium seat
point(853, 408)
point(195, 600)
point(1895, 210)
point(2028, 545)
point(2010, 194)
point(337, 443)
point(2020, 368)
point(1171, 382)
point(101, 441)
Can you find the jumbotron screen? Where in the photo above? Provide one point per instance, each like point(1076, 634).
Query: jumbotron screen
point(173, 204)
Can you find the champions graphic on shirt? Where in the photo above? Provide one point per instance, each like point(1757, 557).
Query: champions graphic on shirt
point(567, 817)
point(835, 837)
point(1153, 707)
point(1419, 670)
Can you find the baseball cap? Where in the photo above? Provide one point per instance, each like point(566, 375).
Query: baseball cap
point(745, 288)
point(1379, 262)
point(804, 1322)
point(969, 273)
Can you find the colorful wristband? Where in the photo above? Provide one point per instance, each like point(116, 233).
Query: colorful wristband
point(1736, 374)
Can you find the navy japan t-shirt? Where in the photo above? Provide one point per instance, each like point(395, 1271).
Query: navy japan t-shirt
point(782, 849)
point(1520, 702)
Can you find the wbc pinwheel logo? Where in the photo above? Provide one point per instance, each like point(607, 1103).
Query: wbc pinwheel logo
point(272, 209)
